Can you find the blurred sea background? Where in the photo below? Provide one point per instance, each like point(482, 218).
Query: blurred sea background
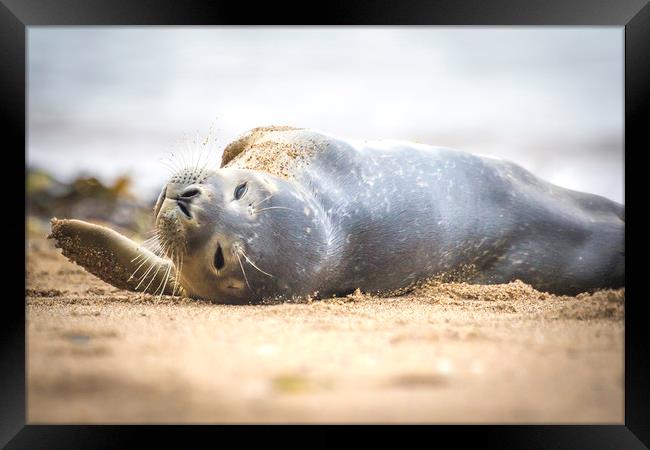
point(107, 104)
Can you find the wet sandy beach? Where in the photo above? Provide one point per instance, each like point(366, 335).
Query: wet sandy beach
point(446, 353)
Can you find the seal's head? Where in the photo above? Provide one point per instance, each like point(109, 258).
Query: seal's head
point(239, 235)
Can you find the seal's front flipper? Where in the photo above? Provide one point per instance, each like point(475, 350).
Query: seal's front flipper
point(113, 257)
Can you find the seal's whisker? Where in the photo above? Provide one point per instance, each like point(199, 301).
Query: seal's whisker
point(175, 160)
point(152, 242)
point(274, 207)
point(262, 201)
point(160, 287)
point(141, 255)
point(207, 161)
point(178, 273)
point(154, 235)
point(252, 263)
point(156, 247)
point(153, 277)
point(163, 283)
point(138, 268)
point(171, 274)
point(243, 271)
point(153, 246)
point(168, 166)
point(167, 159)
point(144, 277)
point(195, 169)
point(156, 250)
point(182, 161)
point(204, 158)
point(190, 166)
point(159, 246)
point(201, 155)
point(202, 172)
point(192, 154)
point(150, 267)
point(152, 239)
point(152, 232)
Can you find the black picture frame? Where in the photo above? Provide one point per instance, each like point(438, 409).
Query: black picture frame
point(17, 15)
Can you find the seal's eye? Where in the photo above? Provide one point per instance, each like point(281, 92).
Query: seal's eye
point(240, 191)
point(218, 258)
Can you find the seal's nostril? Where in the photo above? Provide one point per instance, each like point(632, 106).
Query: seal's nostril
point(184, 209)
point(189, 193)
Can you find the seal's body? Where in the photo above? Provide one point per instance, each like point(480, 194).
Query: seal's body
point(292, 212)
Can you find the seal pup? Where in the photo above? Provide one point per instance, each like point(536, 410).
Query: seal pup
point(297, 212)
